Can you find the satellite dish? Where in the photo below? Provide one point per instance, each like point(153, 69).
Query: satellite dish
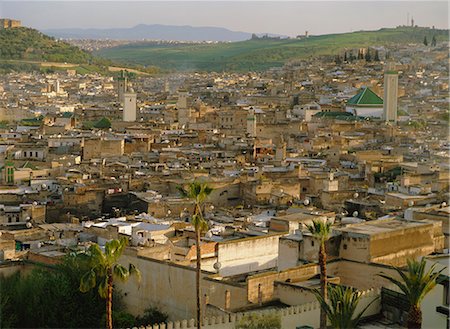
point(29, 225)
point(44, 186)
point(356, 195)
point(444, 204)
point(306, 202)
point(217, 266)
point(35, 203)
point(355, 214)
point(411, 203)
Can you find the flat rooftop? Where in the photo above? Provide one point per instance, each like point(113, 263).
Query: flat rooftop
point(380, 226)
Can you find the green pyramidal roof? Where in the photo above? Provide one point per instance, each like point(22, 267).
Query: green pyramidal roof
point(365, 97)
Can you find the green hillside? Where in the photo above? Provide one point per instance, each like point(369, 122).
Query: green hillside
point(25, 49)
point(260, 54)
point(28, 44)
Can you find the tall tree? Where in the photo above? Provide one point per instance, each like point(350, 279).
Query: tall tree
point(104, 268)
point(433, 41)
point(321, 230)
point(368, 57)
point(198, 192)
point(377, 56)
point(415, 283)
point(425, 41)
point(341, 306)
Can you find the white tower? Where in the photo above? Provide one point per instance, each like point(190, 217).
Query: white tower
point(56, 86)
point(390, 93)
point(251, 123)
point(129, 107)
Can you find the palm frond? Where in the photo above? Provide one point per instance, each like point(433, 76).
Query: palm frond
point(88, 281)
point(320, 229)
point(415, 282)
point(103, 288)
point(120, 272)
point(133, 270)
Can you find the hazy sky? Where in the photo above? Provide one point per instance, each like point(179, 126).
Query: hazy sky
point(287, 18)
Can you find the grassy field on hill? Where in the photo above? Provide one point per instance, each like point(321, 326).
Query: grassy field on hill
point(260, 54)
point(25, 49)
point(29, 44)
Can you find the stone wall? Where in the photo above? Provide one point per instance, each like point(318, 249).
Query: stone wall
point(291, 317)
point(248, 255)
point(260, 287)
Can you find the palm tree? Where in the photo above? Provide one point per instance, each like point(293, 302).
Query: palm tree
point(198, 192)
point(103, 269)
point(341, 306)
point(415, 284)
point(321, 230)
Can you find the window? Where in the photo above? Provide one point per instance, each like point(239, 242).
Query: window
point(312, 243)
point(25, 154)
point(446, 297)
point(345, 246)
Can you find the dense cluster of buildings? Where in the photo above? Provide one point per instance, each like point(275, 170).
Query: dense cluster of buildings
point(89, 158)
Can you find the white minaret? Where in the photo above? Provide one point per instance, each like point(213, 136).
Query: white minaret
point(129, 107)
point(390, 93)
point(251, 123)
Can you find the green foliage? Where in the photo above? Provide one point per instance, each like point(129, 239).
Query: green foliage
point(103, 123)
point(425, 41)
point(47, 298)
point(320, 229)
point(259, 321)
point(121, 319)
point(100, 265)
point(257, 55)
point(341, 306)
point(152, 315)
point(30, 44)
point(416, 283)
point(433, 41)
point(197, 192)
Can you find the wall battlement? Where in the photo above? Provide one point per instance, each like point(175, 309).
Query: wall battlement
point(291, 317)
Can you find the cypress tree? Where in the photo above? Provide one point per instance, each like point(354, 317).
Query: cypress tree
point(433, 41)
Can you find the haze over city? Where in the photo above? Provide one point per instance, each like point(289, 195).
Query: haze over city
point(278, 17)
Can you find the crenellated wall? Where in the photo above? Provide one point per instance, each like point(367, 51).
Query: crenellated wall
point(291, 317)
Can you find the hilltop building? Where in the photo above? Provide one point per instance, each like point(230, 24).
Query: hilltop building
point(6, 23)
point(365, 104)
point(390, 93)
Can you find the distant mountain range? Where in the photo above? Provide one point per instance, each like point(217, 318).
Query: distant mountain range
point(154, 32)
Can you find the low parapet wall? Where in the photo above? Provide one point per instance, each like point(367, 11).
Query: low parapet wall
point(291, 317)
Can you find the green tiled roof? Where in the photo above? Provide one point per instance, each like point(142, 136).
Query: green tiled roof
point(345, 116)
point(331, 114)
point(365, 97)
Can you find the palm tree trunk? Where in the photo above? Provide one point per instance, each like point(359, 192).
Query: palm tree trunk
point(414, 317)
point(323, 283)
point(197, 277)
point(109, 323)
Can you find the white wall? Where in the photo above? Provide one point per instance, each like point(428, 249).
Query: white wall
point(248, 255)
